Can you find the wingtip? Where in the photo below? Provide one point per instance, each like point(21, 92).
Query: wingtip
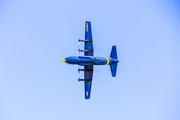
point(87, 98)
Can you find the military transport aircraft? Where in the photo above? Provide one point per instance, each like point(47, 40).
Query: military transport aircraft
point(88, 60)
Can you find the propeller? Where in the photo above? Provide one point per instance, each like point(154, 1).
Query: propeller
point(78, 80)
point(79, 51)
point(78, 70)
point(79, 41)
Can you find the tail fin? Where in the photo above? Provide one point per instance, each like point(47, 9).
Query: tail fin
point(114, 61)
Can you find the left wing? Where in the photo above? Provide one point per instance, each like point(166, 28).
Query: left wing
point(89, 42)
point(88, 75)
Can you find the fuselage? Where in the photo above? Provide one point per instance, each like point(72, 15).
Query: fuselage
point(88, 60)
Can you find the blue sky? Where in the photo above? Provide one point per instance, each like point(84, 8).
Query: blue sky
point(35, 84)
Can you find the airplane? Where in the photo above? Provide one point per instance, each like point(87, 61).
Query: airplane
point(88, 60)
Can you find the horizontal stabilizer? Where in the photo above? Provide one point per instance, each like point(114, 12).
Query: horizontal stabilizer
point(113, 52)
point(113, 69)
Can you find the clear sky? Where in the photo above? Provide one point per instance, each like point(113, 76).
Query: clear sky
point(36, 85)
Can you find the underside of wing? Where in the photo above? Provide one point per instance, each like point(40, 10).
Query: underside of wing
point(88, 74)
point(89, 42)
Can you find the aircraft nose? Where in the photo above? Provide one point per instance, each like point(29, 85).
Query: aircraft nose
point(63, 60)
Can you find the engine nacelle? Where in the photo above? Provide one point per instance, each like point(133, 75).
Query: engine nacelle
point(81, 80)
point(84, 41)
point(84, 51)
point(80, 70)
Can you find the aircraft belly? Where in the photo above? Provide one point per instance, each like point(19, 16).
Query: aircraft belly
point(100, 61)
point(84, 64)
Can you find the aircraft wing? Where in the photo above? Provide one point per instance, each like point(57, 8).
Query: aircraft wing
point(88, 75)
point(89, 43)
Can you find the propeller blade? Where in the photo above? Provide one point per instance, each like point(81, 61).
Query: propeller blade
point(79, 51)
point(79, 41)
point(78, 81)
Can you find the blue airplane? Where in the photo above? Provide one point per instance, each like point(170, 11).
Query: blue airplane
point(88, 60)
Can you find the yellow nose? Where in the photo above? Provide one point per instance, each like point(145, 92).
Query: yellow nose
point(63, 60)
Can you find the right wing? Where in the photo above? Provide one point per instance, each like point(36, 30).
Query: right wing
point(88, 74)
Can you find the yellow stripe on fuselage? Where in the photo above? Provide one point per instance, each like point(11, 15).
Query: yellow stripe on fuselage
point(86, 27)
point(107, 60)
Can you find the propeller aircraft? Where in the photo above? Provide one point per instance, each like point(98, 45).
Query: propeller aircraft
point(88, 60)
